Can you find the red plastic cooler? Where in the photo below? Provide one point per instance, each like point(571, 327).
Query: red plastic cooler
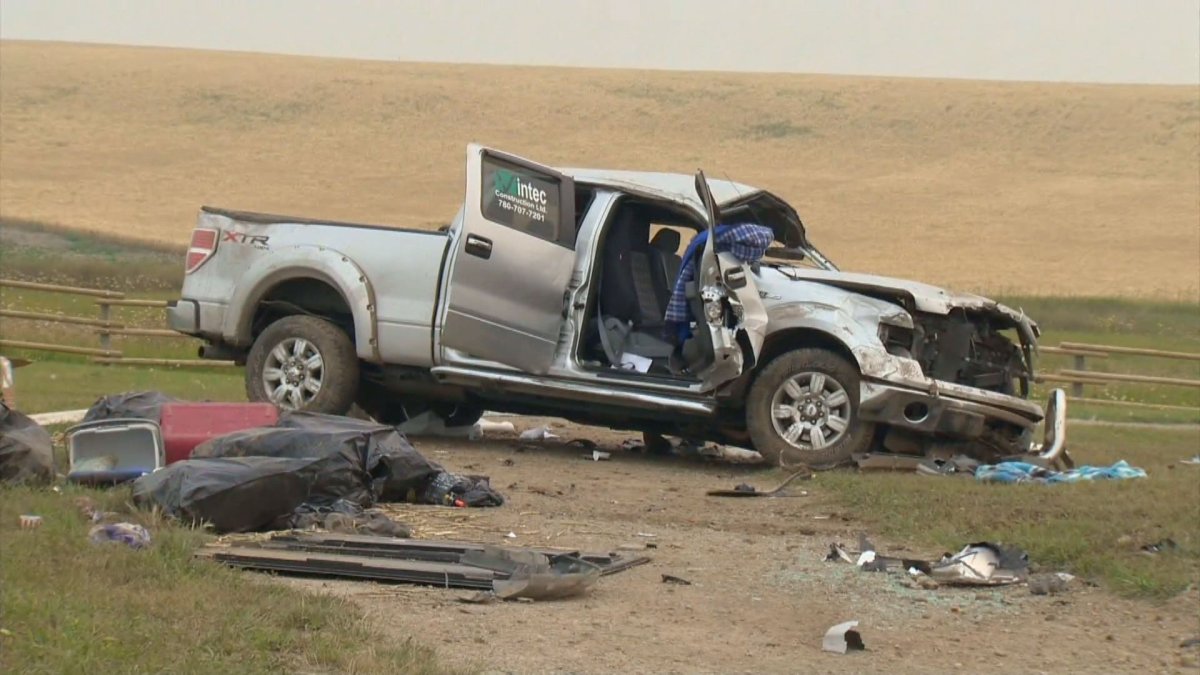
point(186, 425)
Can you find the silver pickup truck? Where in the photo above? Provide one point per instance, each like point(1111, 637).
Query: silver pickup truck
point(548, 294)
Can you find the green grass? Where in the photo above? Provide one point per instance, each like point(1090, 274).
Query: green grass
point(1169, 326)
point(68, 606)
point(48, 386)
point(1089, 529)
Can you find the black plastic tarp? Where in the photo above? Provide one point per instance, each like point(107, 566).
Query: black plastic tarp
point(269, 477)
point(144, 405)
point(394, 470)
point(26, 451)
point(338, 460)
point(233, 494)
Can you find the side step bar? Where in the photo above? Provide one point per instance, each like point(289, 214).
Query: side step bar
point(573, 390)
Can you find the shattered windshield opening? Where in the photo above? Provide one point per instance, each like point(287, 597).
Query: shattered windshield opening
point(792, 247)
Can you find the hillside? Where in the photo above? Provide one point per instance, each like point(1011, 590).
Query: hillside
point(999, 187)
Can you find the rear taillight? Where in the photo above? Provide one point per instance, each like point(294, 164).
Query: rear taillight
point(204, 244)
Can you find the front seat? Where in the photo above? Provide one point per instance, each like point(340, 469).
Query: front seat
point(629, 290)
point(664, 249)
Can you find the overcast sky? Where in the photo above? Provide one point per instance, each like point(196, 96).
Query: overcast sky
point(1144, 41)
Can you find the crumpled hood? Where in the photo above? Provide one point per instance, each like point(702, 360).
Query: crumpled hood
point(924, 297)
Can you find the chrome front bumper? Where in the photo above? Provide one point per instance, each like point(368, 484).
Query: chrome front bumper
point(946, 415)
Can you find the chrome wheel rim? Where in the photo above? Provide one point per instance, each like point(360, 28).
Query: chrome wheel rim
point(810, 411)
point(293, 373)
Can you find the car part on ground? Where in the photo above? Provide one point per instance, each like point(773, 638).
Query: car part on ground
point(510, 572)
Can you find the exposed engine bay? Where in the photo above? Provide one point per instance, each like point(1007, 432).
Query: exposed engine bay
point(970, 349)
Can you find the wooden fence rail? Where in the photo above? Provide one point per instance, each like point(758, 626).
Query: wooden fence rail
point(104, 327)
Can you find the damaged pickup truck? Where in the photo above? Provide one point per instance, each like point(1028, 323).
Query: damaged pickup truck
point(549, 294)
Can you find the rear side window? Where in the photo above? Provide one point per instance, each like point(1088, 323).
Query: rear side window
point(535, 202)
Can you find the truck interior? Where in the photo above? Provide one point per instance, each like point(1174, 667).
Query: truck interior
point(633, 278)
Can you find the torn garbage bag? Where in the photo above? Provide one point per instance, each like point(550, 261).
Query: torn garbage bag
point(1024, 472)
point(395, 466)
point(26, 451)
point(448, 489)
point(367, 461)
point(338, 462)
point(236, 494)
point(142, 405)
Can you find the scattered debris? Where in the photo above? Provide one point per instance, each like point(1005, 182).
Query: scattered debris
point(186, 425)
point(487, 426)
point(347, 518)
point(256, 479)
point(679, 581)
point(745, 490)
point(648, 535)
point(429, 423)
point(130, 534)
point(113, 451)
point(1024, 472)
point(508, 573)
point(958, 465)
point(1162, 546)
point(1193, 461)
point(511, 535)
point(26, 450)
point(1049, 584)
point(1190, 642)
point(537, 434)
point(843, 638)
point(982, 564)
point(598, 456)
point(142, 405)
point(480, 598)
point(29, 522)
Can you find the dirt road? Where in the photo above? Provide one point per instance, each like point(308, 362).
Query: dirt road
point(761, 595)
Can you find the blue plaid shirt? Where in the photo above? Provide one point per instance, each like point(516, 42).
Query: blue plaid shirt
point(748, 242)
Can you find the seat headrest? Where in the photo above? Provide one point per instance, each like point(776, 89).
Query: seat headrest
point(667, 241)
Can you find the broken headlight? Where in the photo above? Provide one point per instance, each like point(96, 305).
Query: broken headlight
point(713, 311)
point(897, 340)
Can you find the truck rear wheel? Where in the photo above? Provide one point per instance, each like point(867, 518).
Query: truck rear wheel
point(803, 409)
point(303, 363)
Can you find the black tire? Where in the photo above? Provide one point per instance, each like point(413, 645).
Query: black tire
point(854, 438)
point(338, 381)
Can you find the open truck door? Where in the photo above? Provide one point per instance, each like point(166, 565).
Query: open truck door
point(513, 260)
point(732, 311)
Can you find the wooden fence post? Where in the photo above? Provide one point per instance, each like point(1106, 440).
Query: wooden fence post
point(1077, 387)
point(105, 336)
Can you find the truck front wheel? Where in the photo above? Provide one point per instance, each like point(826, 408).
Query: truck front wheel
point(303, 363)
point(803, 409)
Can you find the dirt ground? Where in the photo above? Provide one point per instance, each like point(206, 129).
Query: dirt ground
point(761, 595)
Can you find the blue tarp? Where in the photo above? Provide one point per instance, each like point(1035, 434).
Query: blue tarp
point(1023, 472)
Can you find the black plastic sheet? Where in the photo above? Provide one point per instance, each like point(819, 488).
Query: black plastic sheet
point(144, 405)
point(397, 470)
point(366, 462)
point(26, 451)
point(233, 494)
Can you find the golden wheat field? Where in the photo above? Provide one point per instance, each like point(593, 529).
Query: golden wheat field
point(1053, 189)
